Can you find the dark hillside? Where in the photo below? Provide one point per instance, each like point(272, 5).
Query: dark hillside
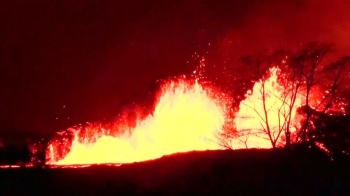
point(240, 172)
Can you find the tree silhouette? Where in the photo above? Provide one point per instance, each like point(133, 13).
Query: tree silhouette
point(331, 131)
point(301, 75)
point(318, 83)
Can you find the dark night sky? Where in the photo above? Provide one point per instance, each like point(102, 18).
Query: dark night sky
point(94, 56)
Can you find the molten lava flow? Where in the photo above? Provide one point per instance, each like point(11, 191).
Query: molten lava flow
point(185, 118)
point(254, 120)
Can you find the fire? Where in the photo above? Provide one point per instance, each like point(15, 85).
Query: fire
point(253, 122)
point(185, 118)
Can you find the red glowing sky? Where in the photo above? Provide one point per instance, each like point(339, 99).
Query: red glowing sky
point(84, 60)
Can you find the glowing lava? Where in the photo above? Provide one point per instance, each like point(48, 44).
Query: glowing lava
point(185, 118)
point(253, 123)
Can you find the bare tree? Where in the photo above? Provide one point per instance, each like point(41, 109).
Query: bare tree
point(303, 79)
point(260, 70)
point(225, 139)
point(318, 81)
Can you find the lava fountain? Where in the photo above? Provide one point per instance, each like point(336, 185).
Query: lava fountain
point(185, 118)
point(267, 108)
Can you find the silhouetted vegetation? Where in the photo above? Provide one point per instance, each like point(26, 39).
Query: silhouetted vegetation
point(332, 131)
point(23, 153)
point(315, 161)
point(15, 155)
point(323, 88)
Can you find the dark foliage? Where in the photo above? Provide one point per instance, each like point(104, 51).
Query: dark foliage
point(304, 74)
point(331, 130)
point(14, 154)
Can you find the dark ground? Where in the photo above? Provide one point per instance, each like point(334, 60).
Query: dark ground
point(243, 172)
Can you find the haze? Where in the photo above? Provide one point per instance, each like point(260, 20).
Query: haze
point(68, 62)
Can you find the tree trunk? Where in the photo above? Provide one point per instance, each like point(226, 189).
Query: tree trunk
point(288, 139)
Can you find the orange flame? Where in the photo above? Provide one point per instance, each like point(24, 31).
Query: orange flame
point(185, 118)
